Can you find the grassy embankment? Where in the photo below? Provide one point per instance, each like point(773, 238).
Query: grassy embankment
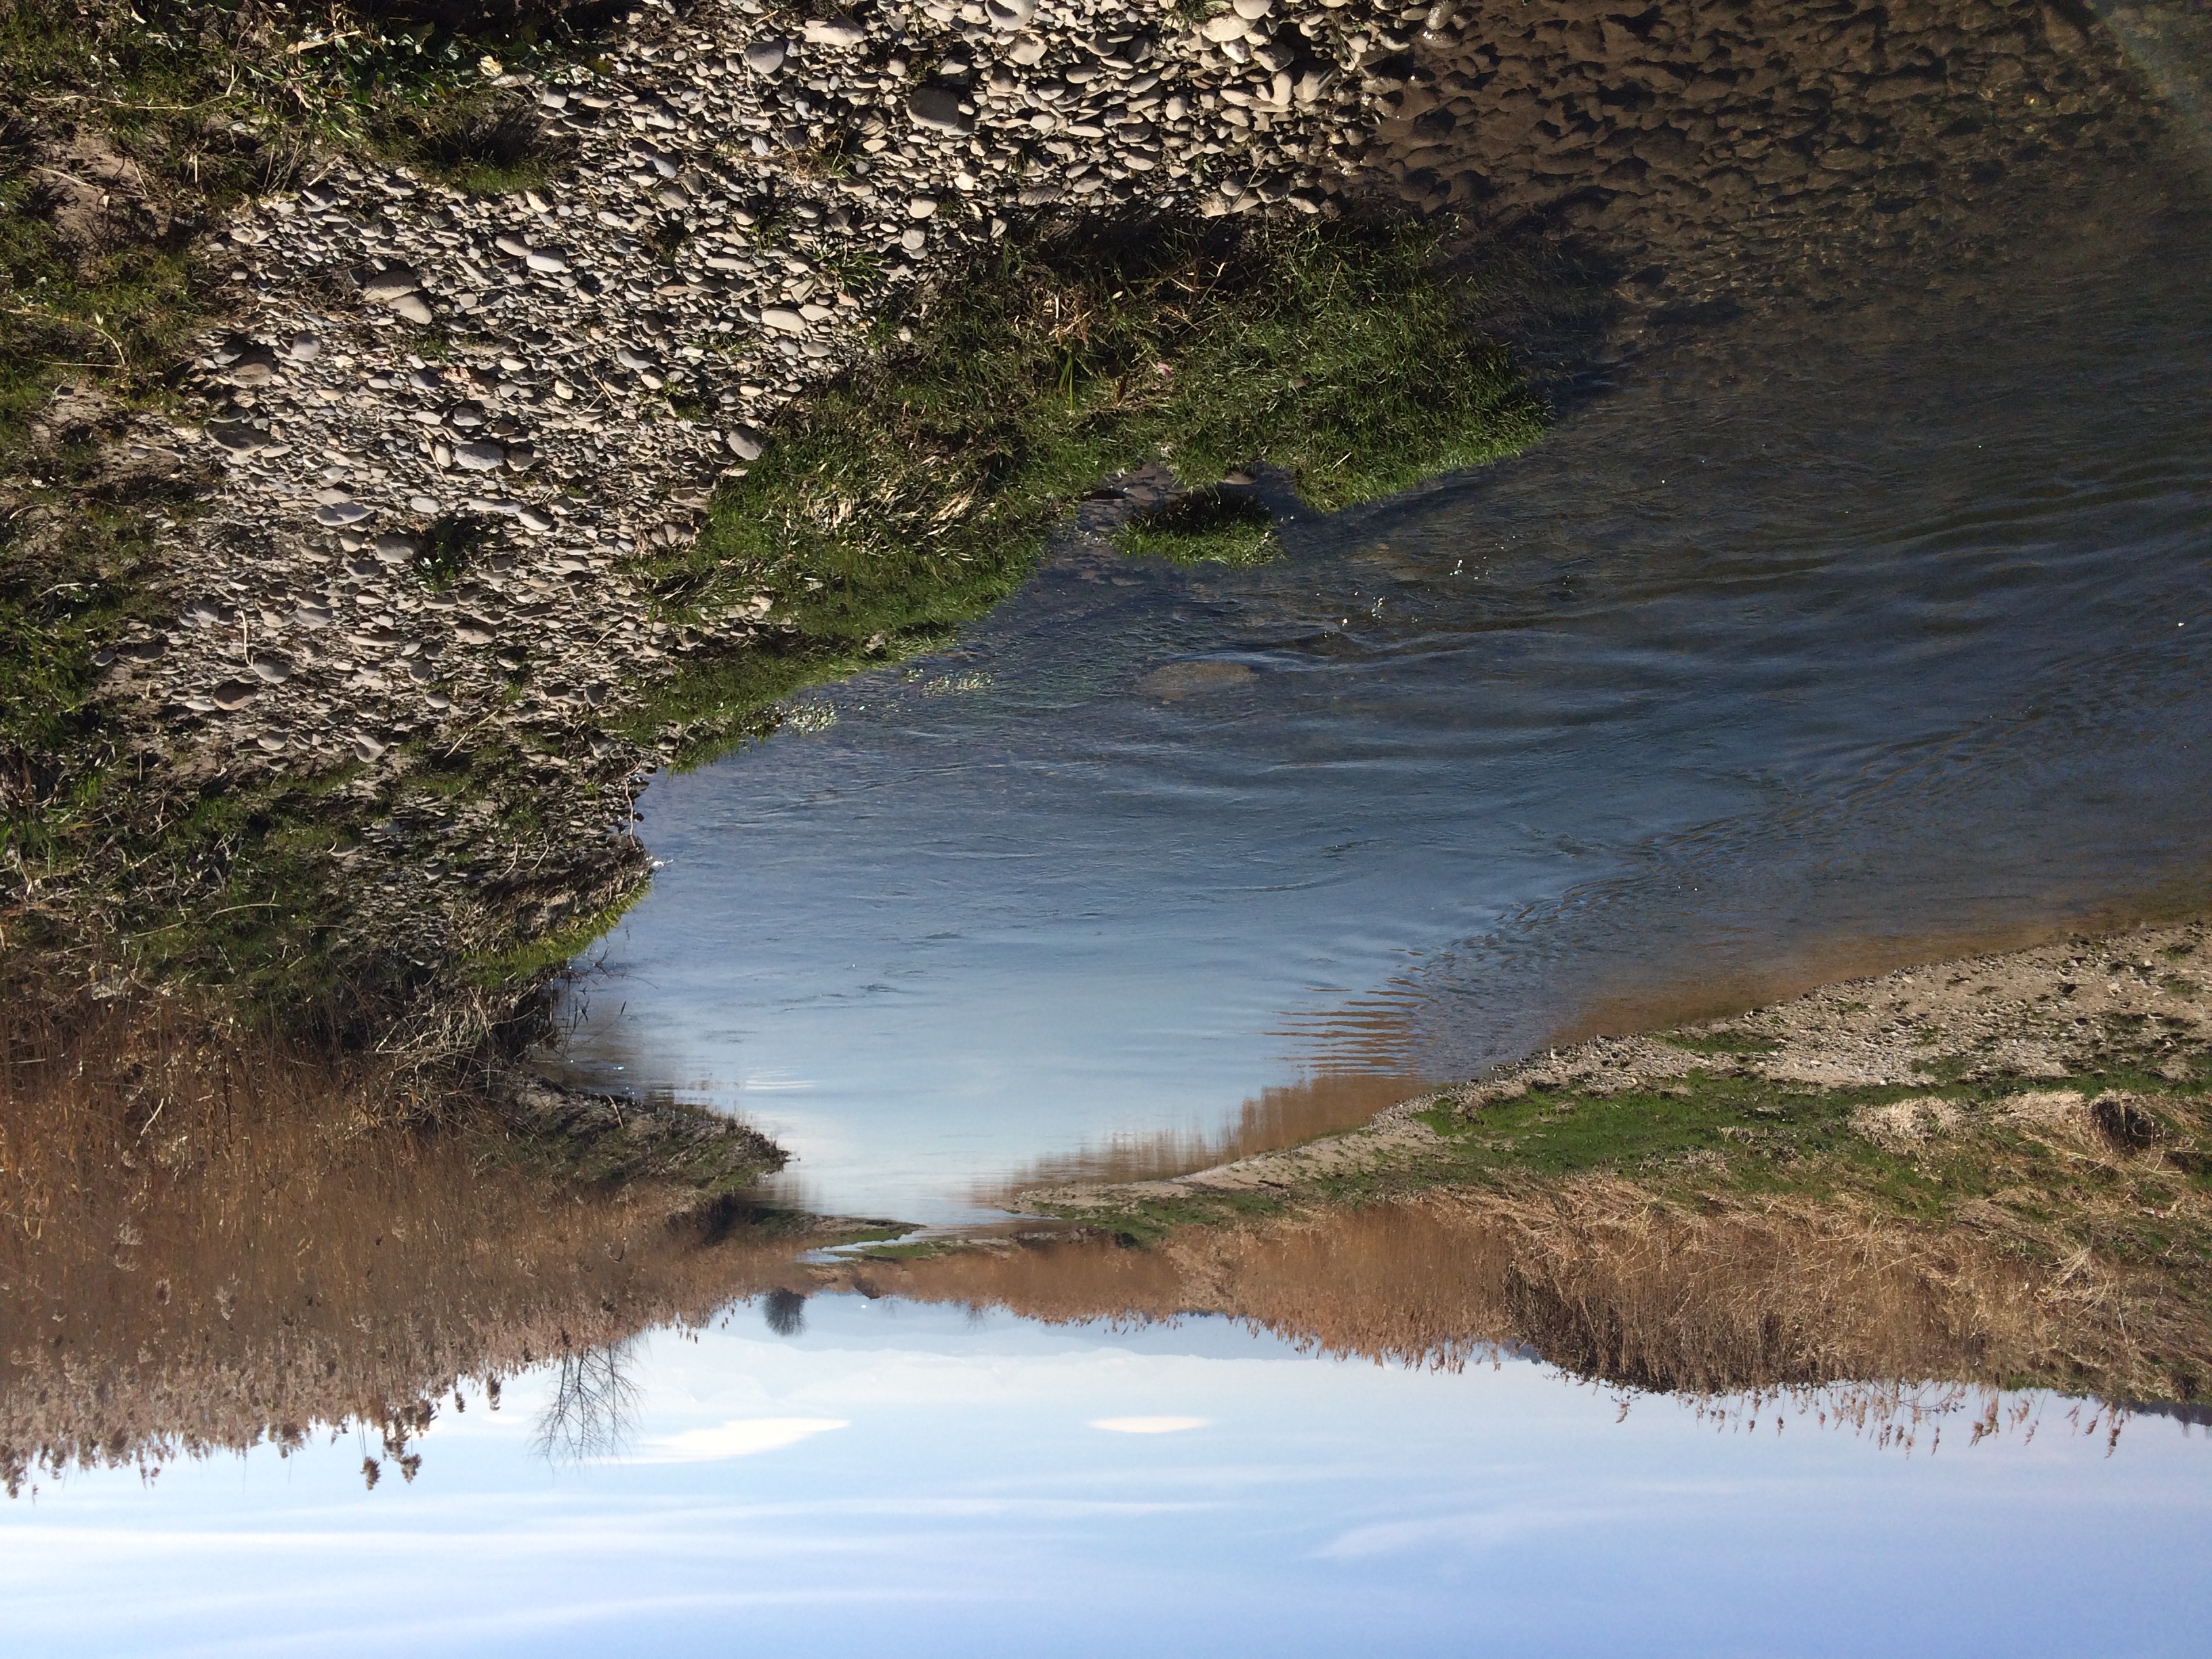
point(130, 131)
point(916, 492)
point(891, 505)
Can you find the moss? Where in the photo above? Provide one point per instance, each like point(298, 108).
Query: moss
point(916, 491)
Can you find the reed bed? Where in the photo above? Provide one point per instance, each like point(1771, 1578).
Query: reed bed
point(210, 1238)
point(1603, 1280)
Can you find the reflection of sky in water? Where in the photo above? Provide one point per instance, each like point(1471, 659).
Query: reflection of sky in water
point(1863, 628)
point(968, 1503)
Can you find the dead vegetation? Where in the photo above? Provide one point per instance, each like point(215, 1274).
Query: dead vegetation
point(210, 1237)
point(1996, 1169)
point(1598, 1277)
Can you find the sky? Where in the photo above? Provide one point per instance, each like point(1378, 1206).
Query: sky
point(915, 1480)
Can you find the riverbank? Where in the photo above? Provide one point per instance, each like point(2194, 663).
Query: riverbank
point(1991, 1169)
point(549, 416)
point(442, 483)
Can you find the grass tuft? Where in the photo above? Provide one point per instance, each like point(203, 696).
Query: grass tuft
point(1206, 526)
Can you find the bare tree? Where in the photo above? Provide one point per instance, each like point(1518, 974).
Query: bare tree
point(594, 1405)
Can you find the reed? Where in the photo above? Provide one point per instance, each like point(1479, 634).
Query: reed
point(211, 1237)
point(1605, 1281)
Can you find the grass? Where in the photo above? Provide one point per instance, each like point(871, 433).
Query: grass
point(185, 1204)
point(2089, 1194)
point(1203, 526)
point(916, 492)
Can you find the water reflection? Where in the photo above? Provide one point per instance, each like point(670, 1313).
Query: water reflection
point(906, 1478)
point(1281, 1117)
point(592, 1408)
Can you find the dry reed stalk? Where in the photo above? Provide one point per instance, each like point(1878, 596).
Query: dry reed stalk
point(208, 1238)
point(1609, 1283)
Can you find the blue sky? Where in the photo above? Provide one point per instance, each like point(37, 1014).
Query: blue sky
point(905, 1480)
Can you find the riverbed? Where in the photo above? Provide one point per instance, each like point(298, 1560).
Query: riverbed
point(1852, 614)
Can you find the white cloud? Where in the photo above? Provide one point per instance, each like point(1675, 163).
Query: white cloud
point(739, 1437)
point(1149, 1424)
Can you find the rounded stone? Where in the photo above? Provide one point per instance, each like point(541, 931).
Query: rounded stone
point(938, 108)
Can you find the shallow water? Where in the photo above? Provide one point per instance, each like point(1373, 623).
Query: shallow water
point(911, 1479)
point(1823, 638)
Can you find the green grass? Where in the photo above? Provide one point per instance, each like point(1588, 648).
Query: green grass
point(916, 492)
point(1721, 1134)
point(1204, 526)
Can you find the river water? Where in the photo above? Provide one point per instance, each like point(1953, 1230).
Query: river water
point(1854, 609)
point(1821, 638)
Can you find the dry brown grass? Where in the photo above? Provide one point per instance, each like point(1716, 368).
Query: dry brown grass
point(208, 1238)
point(1603, 1280)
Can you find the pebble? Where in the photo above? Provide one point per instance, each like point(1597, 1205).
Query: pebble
point(938, 109)
point(765, 56)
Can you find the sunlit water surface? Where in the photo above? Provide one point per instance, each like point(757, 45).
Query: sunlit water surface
point(905, 1480)
point(1812, 641)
